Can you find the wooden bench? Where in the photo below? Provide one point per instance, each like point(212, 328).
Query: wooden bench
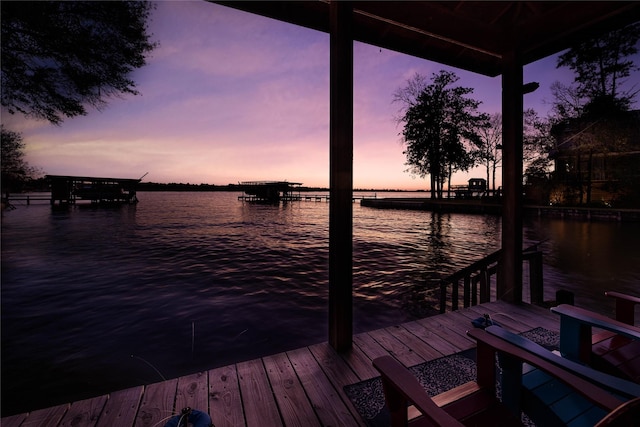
point(615, 350)
point(476, 403)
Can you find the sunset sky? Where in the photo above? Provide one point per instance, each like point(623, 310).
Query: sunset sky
point(229, 96)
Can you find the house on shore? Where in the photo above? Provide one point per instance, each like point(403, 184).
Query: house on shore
point(596, 161)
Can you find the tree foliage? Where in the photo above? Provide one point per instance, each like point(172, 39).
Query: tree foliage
point(490, 148)
point(537, 143)
point(58, 56)
point(601, 64)
point(15, 170)
point(439, 124)
point(592, 122)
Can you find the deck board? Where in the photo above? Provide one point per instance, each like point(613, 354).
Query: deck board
point(293, 403)
point(157, 403)
point(326, 401)
point(84, 413)
point(299, 387)
point(260, 406)
point(121, 408)
point(225, 401)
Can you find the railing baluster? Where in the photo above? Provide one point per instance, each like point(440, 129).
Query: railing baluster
point(454, 295)
point(482, 272)
point(467, 290)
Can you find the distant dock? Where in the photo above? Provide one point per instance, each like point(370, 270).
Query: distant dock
point(279, 191)
point(478, 206)
point(66, 190)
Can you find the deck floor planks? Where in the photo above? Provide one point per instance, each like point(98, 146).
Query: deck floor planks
point(360, 363)
point(295, 408)
point(396, 348)
point(121, 408)
point(300, 387)
point(192, 392)
point(503, 318)
point(415, 342)
point(157, 403)
point(260, 408)
point(225, 402)
point(48, 417)
point(13, 420)
point(84, 413)
point(449, 332)
point(369, 346)
point(325, 399)
point(337, 371)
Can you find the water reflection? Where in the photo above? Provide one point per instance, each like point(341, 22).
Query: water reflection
point(83, 290)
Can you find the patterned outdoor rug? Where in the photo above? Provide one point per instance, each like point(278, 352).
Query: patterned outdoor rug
point(436, 376)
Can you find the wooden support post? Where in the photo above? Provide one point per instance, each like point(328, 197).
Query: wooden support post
point(341, 177)
point(509, 286)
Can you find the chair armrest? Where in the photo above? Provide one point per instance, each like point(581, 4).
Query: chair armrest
point(590, 391)
point(625, 306)
point(609, 382)
point(401, 386)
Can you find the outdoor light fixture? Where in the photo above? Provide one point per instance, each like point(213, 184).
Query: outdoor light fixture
point(530, 87)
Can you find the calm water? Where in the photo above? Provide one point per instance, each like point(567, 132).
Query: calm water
point(96, 300)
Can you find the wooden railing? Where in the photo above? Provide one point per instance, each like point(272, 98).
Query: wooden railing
point(477, 283)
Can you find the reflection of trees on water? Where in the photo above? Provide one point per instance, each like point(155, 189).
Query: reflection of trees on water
point(448, 243)
point(434, 260)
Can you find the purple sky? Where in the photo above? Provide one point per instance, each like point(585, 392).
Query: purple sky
point(229, 96)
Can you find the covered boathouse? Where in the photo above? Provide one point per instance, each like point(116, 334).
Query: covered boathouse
point(66, 190)
point(269, 191)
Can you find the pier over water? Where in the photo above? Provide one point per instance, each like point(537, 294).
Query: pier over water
point(69, 189)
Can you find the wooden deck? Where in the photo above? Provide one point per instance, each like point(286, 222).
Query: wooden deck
point(302, 387)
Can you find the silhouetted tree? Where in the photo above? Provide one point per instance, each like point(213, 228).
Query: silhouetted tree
point(490, 148)
point(15, 170)
point(439, 121)
point(600, 63)
point(59, 56)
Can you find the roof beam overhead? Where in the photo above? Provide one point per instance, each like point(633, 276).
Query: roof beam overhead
point(470, 35)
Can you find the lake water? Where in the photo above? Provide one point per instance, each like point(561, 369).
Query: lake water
point(96, 300)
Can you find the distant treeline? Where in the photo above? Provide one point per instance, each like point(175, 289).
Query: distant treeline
point(41, 184)
point(154, 186)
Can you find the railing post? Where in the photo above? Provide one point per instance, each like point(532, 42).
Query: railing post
point(443, 297)
point(467, 290)
point(454, 295)
point(485, 292)
point(474, 291)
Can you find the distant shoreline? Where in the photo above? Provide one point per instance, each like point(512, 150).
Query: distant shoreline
point(153, 186)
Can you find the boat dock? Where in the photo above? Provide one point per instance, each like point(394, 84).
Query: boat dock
point(478, 206)
point(280, 191)
point(301, 387)
point(67, 190)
